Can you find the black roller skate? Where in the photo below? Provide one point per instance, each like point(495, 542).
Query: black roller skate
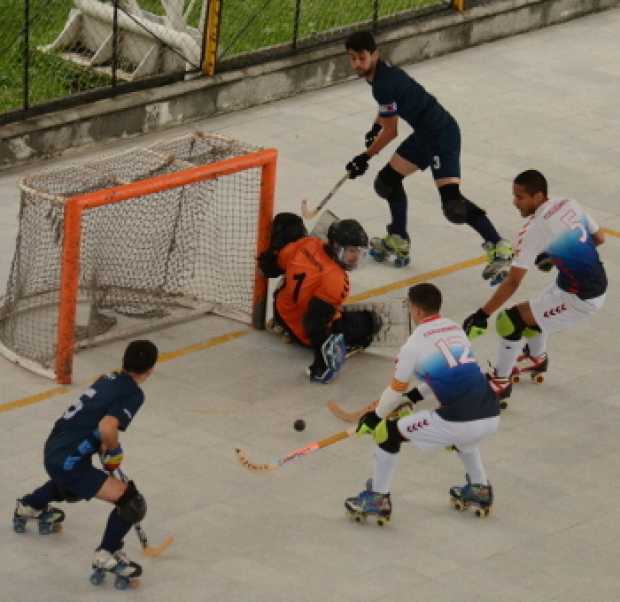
point(499, 257)
point(369, 503)
point(534, 366)
point(126, 572)
point(502, 387)
point(394, 247)
point(49, 519)
point(478, 498)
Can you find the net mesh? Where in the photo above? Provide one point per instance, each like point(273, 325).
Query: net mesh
point(162, 257)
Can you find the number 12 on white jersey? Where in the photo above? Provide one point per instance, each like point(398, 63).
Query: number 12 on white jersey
point(444, 346)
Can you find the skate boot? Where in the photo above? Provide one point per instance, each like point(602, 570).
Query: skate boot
point(126, 572)
point(499, 257)
point(49, 519)
point(535, 366)
point(276, 328)
point(502, 387)
point(478, 498)
point(369, 503)
point(392, 246)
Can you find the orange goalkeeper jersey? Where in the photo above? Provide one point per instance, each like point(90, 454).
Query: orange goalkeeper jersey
point(308, 272)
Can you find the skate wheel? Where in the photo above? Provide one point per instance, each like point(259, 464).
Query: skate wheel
point(121, 583)
point(538, 378)
point(377, 256)
point(19, 526)
point(503, 405)
point(401, 262)
point(515, 379)
point(383, 520)
point(457, 504)
point(97, 577)
point(482, 512)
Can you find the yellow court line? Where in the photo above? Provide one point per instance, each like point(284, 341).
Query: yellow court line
point(26, 401)
point(225, 338)
point(449, 269)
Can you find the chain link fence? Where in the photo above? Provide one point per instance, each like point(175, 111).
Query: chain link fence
point(60, 53)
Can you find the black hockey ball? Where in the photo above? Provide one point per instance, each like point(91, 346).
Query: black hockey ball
point(299, 424)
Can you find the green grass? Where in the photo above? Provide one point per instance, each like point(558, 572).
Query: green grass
point(246, 25)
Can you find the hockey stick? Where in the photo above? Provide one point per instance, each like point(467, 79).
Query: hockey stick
point(151, 552)
point(352, 417)
point(311, 213)
point(296, 453)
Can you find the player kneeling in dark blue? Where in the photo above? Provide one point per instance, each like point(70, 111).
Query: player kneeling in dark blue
point(435, 142)
point(91, 426)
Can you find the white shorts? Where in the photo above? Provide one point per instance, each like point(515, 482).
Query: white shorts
point(428, 430)
point(555, 309)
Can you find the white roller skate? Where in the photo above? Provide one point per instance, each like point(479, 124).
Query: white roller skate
point(502, 387)
point(126, 572)
point(478, 498)
point(499, 257)
point(369, 503)
point(393, 246)
point(49, 519)
point(528, 364)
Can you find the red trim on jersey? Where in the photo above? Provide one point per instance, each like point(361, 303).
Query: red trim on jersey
point(431, 318)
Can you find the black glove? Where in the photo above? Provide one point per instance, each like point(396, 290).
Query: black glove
point(368, 423)
point(544, 262)
point(414, 395)
point(371, 134)
point(357, 166)
point(476, 324)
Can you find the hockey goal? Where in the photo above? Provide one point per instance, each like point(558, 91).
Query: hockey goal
point(134, 242)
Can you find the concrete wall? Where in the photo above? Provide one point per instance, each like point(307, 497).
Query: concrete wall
point(141, 112)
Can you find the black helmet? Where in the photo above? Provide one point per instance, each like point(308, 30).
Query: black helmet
point(347, 233)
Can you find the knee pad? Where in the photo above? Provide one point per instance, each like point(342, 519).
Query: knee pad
point(510, 325)
point(131, 506)
point(393, 438)
point(360, 326)
point(389, 183)
point(457, 208)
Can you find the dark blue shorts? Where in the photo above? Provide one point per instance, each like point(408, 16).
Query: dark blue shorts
point(83, 481)
point(441, 153)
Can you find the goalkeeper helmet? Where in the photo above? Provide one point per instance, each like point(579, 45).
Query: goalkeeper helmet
point(348, 242)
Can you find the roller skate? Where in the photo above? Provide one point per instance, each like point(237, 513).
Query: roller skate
point(499, 257)
point(369, 503)
point(502, 387)
point(535, 366)
point(276, 328)
point(49, 519)
point(478, 498)
point(126, 572)
point(392, 246)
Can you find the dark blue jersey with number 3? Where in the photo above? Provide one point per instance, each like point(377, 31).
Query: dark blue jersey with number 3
point(397, 93)
point(75, 436)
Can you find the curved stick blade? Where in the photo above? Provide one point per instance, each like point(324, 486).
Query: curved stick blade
point(154, 552)
point(244, 460)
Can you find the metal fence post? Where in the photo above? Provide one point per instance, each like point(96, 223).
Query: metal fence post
point(375, 15)
point(26, 56)
point(296, 22)
point(114, 43)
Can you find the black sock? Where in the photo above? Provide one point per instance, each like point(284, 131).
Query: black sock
point(41, 497)
point(482, 224)
point(115, 531)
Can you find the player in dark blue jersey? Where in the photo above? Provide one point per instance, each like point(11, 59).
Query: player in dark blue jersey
point(90, 426)
point(435, 143)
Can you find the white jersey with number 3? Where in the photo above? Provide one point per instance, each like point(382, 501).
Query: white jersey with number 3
point(439, 354)
point(561, 228)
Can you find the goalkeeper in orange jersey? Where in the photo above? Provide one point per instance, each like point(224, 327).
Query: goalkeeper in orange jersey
point(308, 304)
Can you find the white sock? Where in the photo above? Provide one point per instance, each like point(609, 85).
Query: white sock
point(385, 467)
point(473, 466)
point(507, 355)
point(537, 345)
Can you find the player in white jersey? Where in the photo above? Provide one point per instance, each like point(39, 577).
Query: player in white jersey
point(558, 233)
point(439, 355)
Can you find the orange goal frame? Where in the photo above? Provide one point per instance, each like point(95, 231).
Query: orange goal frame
point(76, 205)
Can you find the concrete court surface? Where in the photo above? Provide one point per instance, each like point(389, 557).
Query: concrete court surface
point(548, 100)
